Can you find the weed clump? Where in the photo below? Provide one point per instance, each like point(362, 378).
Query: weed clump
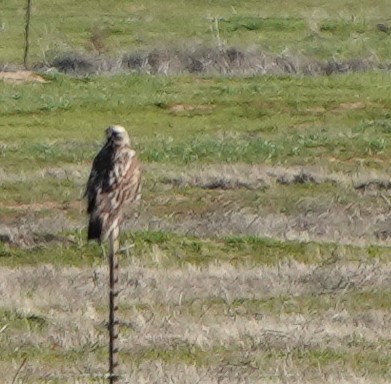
point(210, 60)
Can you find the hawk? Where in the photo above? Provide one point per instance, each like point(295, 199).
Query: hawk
point(113, 184)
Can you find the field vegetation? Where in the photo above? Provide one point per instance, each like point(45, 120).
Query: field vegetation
point(261, 249)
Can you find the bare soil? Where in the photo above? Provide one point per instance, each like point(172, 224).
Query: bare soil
point(21, 77)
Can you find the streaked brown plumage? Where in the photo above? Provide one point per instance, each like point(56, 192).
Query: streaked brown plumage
point(114, 183)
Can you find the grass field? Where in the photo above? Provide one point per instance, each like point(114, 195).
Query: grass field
point(327, 29)
point(262, 246)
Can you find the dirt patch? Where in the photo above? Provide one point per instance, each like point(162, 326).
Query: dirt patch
point(178, 108)
point(316, 110)
point(352, 106)
point(21, 77)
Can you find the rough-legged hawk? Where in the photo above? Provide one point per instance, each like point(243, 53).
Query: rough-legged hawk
point(114, 183)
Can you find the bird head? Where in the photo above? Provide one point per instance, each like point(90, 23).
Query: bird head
point(118, 135)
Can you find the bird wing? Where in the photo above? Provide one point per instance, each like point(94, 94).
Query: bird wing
point(99, 173)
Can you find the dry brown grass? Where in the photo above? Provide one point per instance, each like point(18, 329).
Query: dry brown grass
point(215, 324)
point(296, 203)
point(201, 59)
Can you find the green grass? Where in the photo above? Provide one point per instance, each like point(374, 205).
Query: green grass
point(60, 358)
point(353, 302)
point(49, 189)
point(334, 29)
point(258, 357)
point(178, 251)
point(18, 321)
point(338, 122)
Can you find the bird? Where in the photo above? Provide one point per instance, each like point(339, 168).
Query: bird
point(114, 183)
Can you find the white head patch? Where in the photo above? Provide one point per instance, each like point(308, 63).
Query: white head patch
point(118, 134)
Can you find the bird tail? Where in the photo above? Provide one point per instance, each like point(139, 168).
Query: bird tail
point(94, 228)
